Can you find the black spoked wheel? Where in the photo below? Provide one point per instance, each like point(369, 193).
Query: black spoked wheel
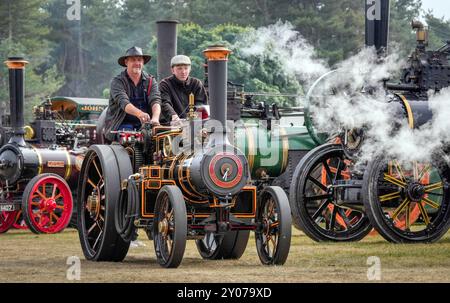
point(313, 196)
point(170, 226)
point(273, 238)
point(98, 194)
point(229, 246)
point(408, 202)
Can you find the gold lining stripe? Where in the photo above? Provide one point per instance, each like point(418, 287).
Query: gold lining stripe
point(40, 167)
point(188, 179)
point(409, 111)
point(68, 167)
point(285, 145)
point(143, 200)
point(250, 147)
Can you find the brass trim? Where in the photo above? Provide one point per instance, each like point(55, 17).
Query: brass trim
point(285, 151)
point(40, 167)
point(16, 64)
point(216, 53)
point(68, 167)
point(143, 201)
point(251, 147)
point(188, 179)
point(29, 132)
point(408, 111)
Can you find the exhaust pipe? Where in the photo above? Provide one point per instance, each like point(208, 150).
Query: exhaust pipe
point(166, 35)
point(377, 24)
point(16, 66)
point(217, 56)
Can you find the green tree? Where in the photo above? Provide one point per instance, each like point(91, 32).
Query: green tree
point(439, 31)
point(85, 50)
point(400, 32)
point(23, 28)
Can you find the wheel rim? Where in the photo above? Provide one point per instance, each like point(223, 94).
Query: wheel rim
point(7, 219)
point(166, 229)
point(94, 201)
point(411, 197)
point(320, 202)
point(19, 222)
point(49, 205)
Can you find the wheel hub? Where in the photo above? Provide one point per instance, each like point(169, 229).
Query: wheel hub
point(415, 191)
point(335, 194)
point(48, 205)
point(163, 227)
point(93, 204)
point(266, 227)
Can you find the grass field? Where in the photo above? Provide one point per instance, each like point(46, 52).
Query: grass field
point(26, 257)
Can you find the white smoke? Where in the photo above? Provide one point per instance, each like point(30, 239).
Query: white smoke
point(385, 131)
point(280, 42)
point(342, 99)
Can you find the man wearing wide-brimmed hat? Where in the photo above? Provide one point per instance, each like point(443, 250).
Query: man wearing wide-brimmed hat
point(134, 95)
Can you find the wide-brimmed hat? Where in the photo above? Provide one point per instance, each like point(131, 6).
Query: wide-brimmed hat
point(133, 51)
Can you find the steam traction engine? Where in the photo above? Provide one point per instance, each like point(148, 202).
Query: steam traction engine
point(201, 194)
point(35, 174)
point(405, 201)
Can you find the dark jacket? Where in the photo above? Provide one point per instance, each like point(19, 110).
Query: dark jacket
point(175, 95)
point(119, 98)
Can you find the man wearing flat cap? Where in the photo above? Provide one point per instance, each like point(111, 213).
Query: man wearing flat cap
point(134, 95)
point(175, 90)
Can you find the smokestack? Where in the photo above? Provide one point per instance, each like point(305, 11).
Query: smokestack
point(377, 24)
point(166, 35)
point(217, 57)
point(16, 66)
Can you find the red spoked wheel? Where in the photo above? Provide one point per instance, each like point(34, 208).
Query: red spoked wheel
point(7, 220)
point(19, 222)
point(47, 204)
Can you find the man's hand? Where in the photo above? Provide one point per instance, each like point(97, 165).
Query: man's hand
point(175, 117)
point(143, 117)
point(155, 121)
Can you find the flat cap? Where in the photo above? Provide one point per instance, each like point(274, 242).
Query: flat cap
point(180, 60)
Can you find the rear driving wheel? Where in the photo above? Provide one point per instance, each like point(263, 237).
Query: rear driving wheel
point(408, 202)
point(319, 180)
point(98, 194)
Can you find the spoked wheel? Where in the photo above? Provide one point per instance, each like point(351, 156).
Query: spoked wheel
point(19, 222)
point(229, 246)
point(273, 238)
point(314, 192)
point(98, 194)
point(47, 204)
point(408, 202)
point(170, 226)
point(7, 219)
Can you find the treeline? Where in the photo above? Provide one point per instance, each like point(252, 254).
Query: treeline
point(73, 45)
